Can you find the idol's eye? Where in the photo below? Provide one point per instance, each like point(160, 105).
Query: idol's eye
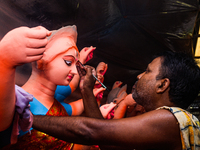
point(69, 63)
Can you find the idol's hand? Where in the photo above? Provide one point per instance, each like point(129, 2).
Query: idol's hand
point(133, 109)
point(87, 81)
point(97, 91)
point(117, 84)
point(23, 45)
point(86, 54)
point(129, 101)
point(106, 109)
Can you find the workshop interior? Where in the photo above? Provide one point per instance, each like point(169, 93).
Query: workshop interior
point(126, 34)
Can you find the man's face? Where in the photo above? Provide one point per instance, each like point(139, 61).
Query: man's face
point(144, 90)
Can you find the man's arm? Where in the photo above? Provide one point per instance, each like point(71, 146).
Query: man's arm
point(78, 107)
point(151, 130)
point(89, 101)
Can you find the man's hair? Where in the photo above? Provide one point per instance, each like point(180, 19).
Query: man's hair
point(184, 75)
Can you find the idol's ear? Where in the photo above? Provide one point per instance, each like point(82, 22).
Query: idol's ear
point(163, 85)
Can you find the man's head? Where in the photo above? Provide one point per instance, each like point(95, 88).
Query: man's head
point(184, 75)
point(170, 79)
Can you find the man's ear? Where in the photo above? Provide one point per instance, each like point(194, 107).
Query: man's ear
point(162, 85)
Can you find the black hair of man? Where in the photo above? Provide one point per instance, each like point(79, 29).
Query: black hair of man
point(184, 75)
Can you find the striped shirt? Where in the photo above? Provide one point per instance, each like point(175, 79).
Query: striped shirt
point(189, 128)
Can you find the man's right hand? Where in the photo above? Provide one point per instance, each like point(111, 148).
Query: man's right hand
point(86, 86)
point(23, 45)
point(87, 82)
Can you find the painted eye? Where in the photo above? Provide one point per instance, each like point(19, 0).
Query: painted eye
point(69, 63)
point(115, 101)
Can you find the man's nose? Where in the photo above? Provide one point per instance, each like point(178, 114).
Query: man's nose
point(140, 75)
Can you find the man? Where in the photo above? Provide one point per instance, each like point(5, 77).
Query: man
point(171, 80)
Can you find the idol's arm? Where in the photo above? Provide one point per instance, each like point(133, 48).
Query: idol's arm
point(19, 46)
point(7, 96)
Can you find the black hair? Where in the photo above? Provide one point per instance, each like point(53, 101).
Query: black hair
point(184, 75)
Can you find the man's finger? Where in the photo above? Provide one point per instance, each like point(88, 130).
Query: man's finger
point(81, 71)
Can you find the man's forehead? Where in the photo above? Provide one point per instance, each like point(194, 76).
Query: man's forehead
point(155, 62)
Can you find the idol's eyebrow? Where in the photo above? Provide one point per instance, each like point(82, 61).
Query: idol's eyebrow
point(69, 56)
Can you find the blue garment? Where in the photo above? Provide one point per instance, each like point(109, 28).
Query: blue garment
point(21, 111)
point(62, 92)
point(38, 108)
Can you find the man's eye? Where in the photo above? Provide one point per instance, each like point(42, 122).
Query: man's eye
point(69, 63)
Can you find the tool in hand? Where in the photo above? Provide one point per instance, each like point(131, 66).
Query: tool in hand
point(83, 71)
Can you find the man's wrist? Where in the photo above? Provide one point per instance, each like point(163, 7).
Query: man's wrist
point(86, 90)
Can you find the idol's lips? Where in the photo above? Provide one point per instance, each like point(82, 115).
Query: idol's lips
point(70, 77)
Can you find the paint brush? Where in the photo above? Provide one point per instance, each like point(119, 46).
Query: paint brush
point(78, 63)
point(100, 82)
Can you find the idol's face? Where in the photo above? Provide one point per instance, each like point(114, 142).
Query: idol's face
point(144, 90)
point(62, 68)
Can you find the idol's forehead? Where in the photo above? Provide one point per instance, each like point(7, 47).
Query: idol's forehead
point(72, 53)
point(61, 41)
point(60, 44)
point(67, 31)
